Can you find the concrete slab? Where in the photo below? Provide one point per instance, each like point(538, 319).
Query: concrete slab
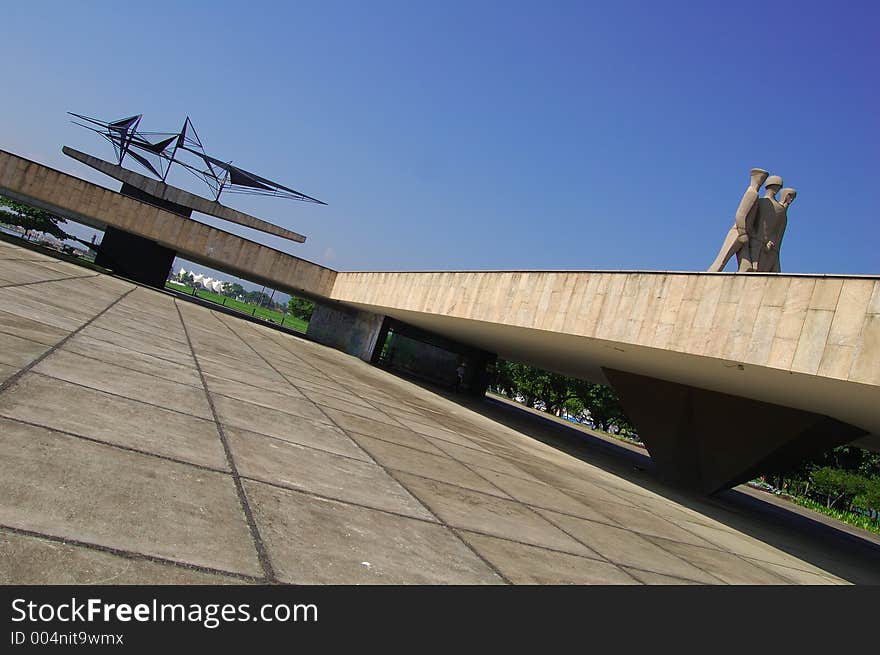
point(399, 412)
point(18, 352)
point(628, 548)
point(731, 568)
point(417, 462)
point(303, 374)
point(538, 494)
point(649, 577)
point(7, 372)
point(798, 575)
point(158, 320)
point(254, 373)
point(477, 512)
point(594, 494)
point(223, 350)
point(316, 541)
point(400, 437)
point(335, 392)
point(479, 459)
point(748, 547)
point(18, 252)
point(138, 344)
point(151, 365)
point(26, 328)
point(147, 335)
point(275, 398)
point(646, 523)
point(165, 330)
point(69, 487)
point(273, 401)
point(442, 434)
point(356, 408)
point(522, 564)
point(274, 423)
point(28, 273)
point(34, 561)
point(69, 297)
point(127, 382)
point(40, 312)
point(297, 467)
point(353, 423)
point(90, 413)
point(232, 387)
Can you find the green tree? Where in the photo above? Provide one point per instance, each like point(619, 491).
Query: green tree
point(301, 308)
point(605, 408)
point(31, 218)
point(234, 290)
point(869, 498)
point(838, 485)
point(557, 392)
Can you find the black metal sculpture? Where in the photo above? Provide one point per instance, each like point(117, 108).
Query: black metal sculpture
point(158, 156)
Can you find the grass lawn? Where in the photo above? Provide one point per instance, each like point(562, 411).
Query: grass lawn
point(245, 308)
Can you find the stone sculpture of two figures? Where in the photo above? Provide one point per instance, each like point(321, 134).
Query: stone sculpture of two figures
point(756, 235)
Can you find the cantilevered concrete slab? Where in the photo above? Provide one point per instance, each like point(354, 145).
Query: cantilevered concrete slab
point(150, 440)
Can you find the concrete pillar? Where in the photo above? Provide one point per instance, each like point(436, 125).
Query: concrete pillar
point(135, 257)
point(434, 358)
point(709, 441)
point(349, 330)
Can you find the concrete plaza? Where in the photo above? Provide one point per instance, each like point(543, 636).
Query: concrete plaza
point(146, 439)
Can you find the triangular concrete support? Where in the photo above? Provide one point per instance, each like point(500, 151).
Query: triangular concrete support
point(711, 441)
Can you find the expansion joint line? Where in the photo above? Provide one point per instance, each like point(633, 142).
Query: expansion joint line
point(15, 378)
point(54, 279)
point(127, 554)
point(387, 471)
point(259, 544)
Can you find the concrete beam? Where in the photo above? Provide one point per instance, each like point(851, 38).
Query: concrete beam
point(69, 196)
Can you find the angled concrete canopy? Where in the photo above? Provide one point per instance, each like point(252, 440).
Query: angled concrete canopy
point(808, 343)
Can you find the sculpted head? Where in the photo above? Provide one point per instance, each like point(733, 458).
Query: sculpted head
point(758, 175)
point(772, 186)
point(787, 196)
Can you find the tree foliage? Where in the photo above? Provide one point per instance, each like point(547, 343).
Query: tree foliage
point(845, 478)
point(838, 485)
point(552, 392)
point(301, 308)
point(31, 218)
point(234, 290)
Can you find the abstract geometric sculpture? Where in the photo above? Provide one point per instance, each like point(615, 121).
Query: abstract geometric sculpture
point(175, 148)
point(185, 149)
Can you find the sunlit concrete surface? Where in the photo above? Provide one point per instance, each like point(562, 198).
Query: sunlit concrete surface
point(147, 439)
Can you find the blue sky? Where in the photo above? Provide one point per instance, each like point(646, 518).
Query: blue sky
point(485, 135)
